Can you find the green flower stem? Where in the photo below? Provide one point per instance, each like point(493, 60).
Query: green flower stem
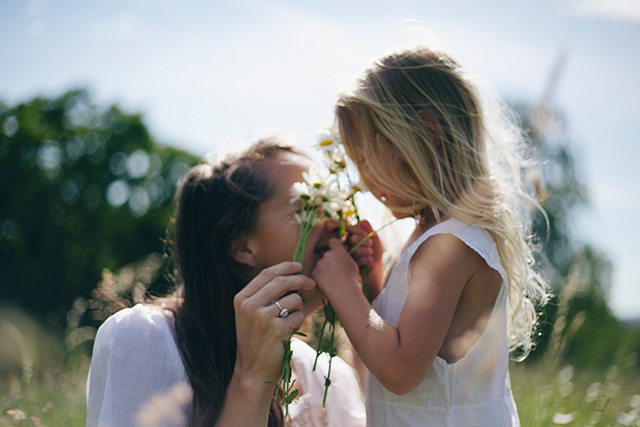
point(308, 220)
point(365, 273)
point(327, 379)
point(320, 339)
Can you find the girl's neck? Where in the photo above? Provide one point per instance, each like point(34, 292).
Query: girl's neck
point(425, 219)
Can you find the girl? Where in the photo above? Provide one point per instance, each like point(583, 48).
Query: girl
point(222, 332)
point(461, 295)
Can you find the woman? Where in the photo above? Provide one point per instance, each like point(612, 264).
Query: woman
point(235, 236)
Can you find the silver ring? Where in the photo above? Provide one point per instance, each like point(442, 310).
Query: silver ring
point(283, 311)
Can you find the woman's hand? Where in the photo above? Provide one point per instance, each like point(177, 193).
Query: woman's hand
point(260, 329)
point(368, 253)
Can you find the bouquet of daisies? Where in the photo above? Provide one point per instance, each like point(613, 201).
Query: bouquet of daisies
point(330, 193)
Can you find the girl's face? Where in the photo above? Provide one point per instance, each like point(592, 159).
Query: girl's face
point(375, 182)
point(277, 231)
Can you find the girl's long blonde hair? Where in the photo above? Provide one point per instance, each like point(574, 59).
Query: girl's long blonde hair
point(419, 111)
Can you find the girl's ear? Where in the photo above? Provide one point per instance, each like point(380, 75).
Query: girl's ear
point(433, 127)
point(241, 251)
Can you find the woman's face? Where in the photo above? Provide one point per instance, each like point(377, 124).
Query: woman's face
point(277, 231)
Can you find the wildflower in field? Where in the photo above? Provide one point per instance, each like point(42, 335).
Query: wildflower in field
point(46, 407)
point(17, 415)
point(561, 419)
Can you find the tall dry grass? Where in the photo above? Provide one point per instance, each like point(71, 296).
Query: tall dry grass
point(42, 391)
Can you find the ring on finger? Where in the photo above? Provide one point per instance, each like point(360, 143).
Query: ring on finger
point(283, 311)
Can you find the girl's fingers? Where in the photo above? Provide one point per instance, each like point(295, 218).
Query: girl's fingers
point(362, 250)
point(364, 260)
point(336, 244)
point(366, 226)
point(354, 239)
point(362, 227)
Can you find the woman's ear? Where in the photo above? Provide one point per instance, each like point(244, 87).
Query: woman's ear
point(433, 127)
point(242, 253)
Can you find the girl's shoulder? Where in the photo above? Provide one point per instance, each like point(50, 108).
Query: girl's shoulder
point(455, 237)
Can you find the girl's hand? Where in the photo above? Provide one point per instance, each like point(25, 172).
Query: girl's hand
point(335, 270)
point(368, 253)
point(259, 328)
point(371, 250)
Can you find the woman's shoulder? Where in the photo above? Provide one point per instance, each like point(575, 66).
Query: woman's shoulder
point(140, 318)
point(137, 328)
point(134, 357)
point(136, 342)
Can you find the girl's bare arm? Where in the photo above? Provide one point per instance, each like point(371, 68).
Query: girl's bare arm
point(400, 357)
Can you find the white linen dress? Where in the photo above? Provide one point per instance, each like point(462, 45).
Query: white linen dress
point(475, 390)
point(137, 378)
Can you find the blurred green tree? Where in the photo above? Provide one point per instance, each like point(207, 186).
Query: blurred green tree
point(82, 189)
point(578, 326)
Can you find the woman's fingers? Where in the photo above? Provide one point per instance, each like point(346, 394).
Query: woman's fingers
point(292, 323)
point(266, 275)
point(291, 303)
point(281, 285)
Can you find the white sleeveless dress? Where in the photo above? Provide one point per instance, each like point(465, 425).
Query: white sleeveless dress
point(475, 390)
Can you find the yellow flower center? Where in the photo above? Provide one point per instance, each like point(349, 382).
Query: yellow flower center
point(326, 142)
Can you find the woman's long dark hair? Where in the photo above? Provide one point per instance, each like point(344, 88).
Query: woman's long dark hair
point(216, 204)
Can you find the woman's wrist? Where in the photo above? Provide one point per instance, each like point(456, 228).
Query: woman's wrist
point(250, 384)
point(247, 401)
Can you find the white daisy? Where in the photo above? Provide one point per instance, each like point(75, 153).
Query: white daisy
point(299, 190)
point(359, 186)
point(328, 140)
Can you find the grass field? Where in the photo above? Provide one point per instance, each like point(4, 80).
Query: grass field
point(545, 397)
point(565, 396)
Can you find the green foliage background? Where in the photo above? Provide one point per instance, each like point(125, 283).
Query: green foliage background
point(579, 273)
point(60, 160)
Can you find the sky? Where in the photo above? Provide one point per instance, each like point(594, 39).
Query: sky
point(212, 76)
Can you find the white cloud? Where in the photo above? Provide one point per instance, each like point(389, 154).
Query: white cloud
point(36, 7)
point(616, 10)
point(125, 26)
point(36, 27)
